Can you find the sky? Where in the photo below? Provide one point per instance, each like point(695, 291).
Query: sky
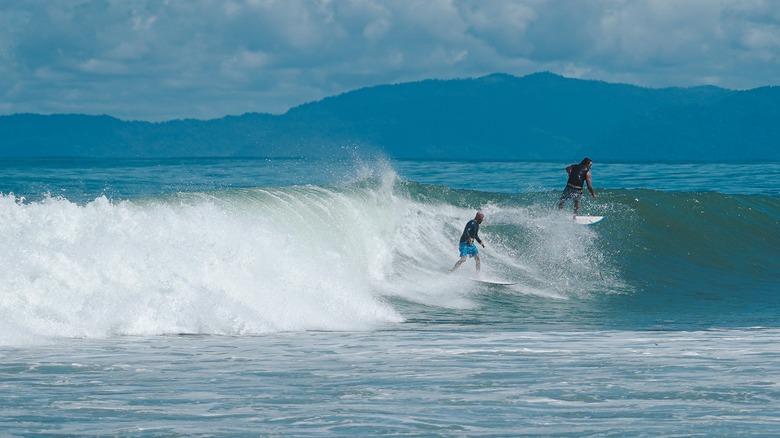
point(158, 60)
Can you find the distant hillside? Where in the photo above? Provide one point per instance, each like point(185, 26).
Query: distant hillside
point(540, 116)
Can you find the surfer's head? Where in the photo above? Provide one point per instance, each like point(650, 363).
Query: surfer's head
point(479, 217)
point(586, 161)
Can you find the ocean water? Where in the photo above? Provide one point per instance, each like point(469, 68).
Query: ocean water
point(202, 297)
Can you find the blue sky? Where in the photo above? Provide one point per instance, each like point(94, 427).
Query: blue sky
point(159, 60)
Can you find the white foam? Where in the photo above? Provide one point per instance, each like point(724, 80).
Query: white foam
point(187, 266)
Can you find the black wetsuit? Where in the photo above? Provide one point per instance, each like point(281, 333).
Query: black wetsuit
point(471, 232)
point(578, 173)
point(577, 176)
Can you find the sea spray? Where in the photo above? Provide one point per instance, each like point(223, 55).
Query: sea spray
point(194, 264)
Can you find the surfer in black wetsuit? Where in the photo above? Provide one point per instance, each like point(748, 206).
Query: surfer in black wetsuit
point(466, 245)
point(579, 174)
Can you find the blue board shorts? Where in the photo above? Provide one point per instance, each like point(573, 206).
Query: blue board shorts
point(468, 250)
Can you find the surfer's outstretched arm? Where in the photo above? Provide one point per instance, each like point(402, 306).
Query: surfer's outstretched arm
point(590, 186)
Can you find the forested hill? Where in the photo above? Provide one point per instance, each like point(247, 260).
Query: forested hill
point(496, 117)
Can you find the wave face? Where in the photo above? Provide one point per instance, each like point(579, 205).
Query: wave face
point(374, 253)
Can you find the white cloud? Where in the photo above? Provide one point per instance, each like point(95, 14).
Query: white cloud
point(152, 60)
point(376, 29)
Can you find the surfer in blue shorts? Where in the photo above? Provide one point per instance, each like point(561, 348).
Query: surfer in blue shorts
point(466, 245)
point(579, 175)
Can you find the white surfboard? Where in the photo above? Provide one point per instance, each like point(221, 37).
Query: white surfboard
point(494, 283)
point(588, 220)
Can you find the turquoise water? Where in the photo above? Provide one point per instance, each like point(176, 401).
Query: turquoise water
point(295, 297)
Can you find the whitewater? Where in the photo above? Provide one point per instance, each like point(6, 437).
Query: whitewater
point(249, 296)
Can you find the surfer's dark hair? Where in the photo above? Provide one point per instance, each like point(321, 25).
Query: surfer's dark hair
point(585, 161)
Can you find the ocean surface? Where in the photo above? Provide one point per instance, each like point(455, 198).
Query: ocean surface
point(229, 297)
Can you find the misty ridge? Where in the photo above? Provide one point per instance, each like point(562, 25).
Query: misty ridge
point(541, 116)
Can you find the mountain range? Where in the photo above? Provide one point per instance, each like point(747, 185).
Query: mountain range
point(496, 117)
